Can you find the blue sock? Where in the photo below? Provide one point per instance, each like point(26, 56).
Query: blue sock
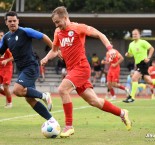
point(42, 111)
point(33, 93)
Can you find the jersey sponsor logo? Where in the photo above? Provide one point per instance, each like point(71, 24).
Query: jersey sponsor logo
point(16, 38)
point(71, 33)
point(112, 55)
point(68, 41)
point(21, 81)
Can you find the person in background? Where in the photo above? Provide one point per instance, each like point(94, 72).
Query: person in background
point(89, 58)
point(60, 64)
point(63, 70)
point(142, 52)
point(103, 79)
point(69, 37)
point(151, 71)
point(42, 72)
point(96, 65)
point(114, 58)
point(41, 77)
point(129, 80)
point(6, 71)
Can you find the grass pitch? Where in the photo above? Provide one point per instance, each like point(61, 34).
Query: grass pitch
point(22, 126)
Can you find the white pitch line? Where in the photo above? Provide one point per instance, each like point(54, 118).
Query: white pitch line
point(58, 111)
point(25, 116)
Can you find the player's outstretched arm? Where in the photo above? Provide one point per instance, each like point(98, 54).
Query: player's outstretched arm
point(4, 62)
point(128, 54)
point(97, 34)
point(47, 40)
point(120, 60)
point(51, 54)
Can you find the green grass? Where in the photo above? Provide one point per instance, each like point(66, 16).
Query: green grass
point(92, 127)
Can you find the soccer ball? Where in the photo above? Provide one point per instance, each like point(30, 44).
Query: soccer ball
point(50, 129)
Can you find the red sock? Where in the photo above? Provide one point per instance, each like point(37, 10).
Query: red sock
point(109, 107)
point(112, 92)
point(68, 109)
point(9, 99)
point(121, 87)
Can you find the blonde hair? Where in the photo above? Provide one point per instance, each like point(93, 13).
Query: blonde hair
point(137, 30)
point(60, 11)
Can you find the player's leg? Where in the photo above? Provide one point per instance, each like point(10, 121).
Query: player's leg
point(150, 81)
point(122, 87)
point(135, 78)
point(110, 86)
point(31, 92)
point(25, 86)
point(115, 82)
point(1, 82)
point(7, 76)
point(64, 91)
point(111, 90)
point(8, 96)
point(90, 96)
point(152, 91)
point(39, 108)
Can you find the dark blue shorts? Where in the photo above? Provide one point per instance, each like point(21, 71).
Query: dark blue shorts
point(28, 76)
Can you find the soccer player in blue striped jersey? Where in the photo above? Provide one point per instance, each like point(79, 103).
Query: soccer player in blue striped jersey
point(19, 41)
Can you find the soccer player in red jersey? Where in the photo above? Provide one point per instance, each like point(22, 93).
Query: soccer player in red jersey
point(6, 69)
point(151, 71)
point(70, 38)
point(114, 58)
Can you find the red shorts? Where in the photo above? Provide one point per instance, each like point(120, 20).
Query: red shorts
point(113, 76)
point(6, 75)
point(79, 76)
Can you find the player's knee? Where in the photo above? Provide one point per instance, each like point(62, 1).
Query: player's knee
point(18, 92)
point(92, 103)
point(62, 91)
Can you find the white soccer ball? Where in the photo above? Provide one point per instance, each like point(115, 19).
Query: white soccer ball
point(50, 129)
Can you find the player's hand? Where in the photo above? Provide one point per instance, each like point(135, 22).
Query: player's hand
point(4, 62)
point(44, 61)
point(103, 61)
point(113, 64)
point(146, 60)
point(126, 54)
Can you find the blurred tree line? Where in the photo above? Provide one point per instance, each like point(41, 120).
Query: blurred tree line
point(86, 6)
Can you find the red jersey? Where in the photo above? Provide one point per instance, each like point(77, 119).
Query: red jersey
point(6, 71)
point(151, 71)
point(6, 55)
point(71, 42)
point(112, 56)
